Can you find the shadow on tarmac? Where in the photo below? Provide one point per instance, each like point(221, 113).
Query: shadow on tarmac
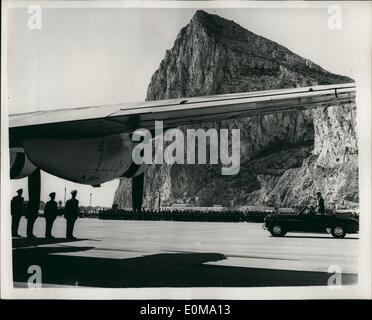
point(25, 242)
point(158, 270)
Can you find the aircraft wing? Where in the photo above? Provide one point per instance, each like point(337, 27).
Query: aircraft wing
point(111, 119)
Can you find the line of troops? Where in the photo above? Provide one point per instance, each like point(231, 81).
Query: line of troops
point(184, 215)
point(317, 208)
point(18, 209)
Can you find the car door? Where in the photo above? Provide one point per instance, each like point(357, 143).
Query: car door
point(307, 223)
point(296, 222)
point(311, 223)
point(321, 222)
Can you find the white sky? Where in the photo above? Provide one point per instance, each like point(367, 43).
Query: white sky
point(84, 57)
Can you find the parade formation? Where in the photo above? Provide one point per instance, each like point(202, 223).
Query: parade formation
point(286, 216)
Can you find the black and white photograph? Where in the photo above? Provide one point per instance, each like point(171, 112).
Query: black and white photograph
point(186, 150)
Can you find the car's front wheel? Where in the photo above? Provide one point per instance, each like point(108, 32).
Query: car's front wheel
point(338, 232)
point(277, 231)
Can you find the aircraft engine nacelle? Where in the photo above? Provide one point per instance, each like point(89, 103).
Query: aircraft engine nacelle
point(20, 164)
point(88, 161)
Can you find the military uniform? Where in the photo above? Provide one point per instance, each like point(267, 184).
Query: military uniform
point(50, 214)
point(17, 210)
point(320, 205)
point(71, 214)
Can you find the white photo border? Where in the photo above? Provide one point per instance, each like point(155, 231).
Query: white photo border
point(363, 79)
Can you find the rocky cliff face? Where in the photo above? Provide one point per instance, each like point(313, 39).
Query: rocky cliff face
point(285, 158)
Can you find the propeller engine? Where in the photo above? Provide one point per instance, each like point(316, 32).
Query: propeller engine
point(87, 161)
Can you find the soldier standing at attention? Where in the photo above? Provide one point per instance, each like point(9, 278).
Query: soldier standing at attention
point(71, 214)
point(17, 209)
point(320, 203)
point(50, 214)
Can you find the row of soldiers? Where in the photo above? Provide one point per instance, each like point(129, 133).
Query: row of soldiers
point(18, 209)
point(184, 215)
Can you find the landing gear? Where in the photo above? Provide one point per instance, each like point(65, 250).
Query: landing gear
point(137, 191)
point(34, 185)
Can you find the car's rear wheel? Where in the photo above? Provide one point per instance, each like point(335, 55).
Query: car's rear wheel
point(338, 232)
point(277, 231)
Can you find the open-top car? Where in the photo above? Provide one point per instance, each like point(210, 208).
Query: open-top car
point(305, 220)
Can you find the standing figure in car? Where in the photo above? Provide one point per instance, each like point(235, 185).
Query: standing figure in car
point(320, 203)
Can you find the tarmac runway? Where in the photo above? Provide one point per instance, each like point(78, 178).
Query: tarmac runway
point(134, 254)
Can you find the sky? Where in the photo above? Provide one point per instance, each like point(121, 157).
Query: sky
point(82, 57)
